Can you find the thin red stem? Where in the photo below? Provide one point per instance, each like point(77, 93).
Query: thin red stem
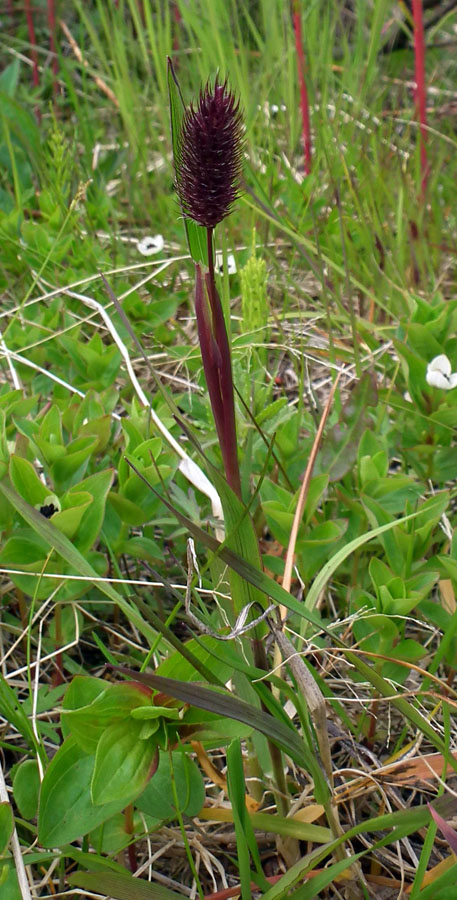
point(304, 100)
point(177, 20)
point(32, 39)
point(217, 365)
point(420, 92)
point(131, 850)
point(228, 443)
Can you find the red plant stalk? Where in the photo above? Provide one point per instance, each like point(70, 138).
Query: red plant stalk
point(178, 20)
point(52, 41)
point(208, 163)
point(216, 358)
point(420, 91)
point(32, 39)
point(304, 101)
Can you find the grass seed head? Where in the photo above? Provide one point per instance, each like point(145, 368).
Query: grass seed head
point(208, 168)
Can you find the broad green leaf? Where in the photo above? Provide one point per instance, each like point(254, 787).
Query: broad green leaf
point(123, 763)
point(6, 825)
point(24, 551)
point(9, 78)
point(68, 470)
point(26, 788)
point(97, 486)
point(68, 520)
point(154, 712)
point(112, 836)
point(66, 810)
point(175, 666)
point(8, 881)
point(140, 547)
point(157, 798)
point(89, 722)
point(51, 425)
point(129, 513)
point(26, 481)
point(224, 704)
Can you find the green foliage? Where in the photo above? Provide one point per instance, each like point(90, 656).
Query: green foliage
point(6, 826)
point(347, 269)
point(111, 750)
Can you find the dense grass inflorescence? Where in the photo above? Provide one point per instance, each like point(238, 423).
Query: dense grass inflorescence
point(209, 160)
point(228, 411)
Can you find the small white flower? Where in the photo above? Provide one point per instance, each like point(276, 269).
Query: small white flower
point(231, 264)
point(149, 245)
point(407, 397)
point(439, 373)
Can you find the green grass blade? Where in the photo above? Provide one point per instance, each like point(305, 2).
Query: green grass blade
point(122, 887)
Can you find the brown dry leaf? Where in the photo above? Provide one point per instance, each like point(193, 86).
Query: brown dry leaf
point(435, 873)
point(216, 776)
point(447, 595)
point(309, 814)
point(419, 768)
point(407, 772)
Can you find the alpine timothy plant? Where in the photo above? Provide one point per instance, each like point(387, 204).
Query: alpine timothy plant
point(208, 163)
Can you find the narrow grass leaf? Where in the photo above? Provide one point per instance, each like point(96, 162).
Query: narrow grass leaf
point(235, 785)
point(121, 887)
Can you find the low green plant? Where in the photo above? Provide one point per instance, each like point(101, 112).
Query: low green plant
point(104, 402)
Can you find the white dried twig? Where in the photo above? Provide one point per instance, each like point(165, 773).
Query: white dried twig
point(240, 627)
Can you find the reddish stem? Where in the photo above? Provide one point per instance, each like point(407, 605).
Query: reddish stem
point(131, 850)
point(217, 365)
point(176, 12)
point(420, 92)
point(304, 101)
point(32, 39)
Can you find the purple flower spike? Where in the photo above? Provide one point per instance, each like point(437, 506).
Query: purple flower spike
point(208, 168)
